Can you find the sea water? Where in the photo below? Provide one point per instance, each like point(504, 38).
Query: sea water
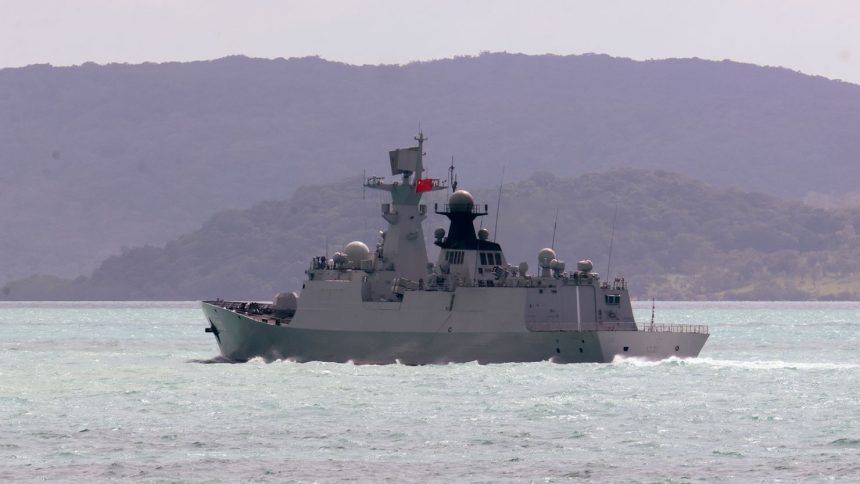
point(116, 391)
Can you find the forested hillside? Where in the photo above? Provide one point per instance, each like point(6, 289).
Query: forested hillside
point(95, 158)
point(675, 238)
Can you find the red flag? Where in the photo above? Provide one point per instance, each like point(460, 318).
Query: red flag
point(424, 185)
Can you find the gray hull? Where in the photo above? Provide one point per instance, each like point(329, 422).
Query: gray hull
point(241, 338)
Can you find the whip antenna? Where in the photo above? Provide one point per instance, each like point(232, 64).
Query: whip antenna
point(499, 205)
point(611, 240)
point(554, 226)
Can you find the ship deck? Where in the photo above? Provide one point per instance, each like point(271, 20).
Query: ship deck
point(263, 313)
point(258, 311)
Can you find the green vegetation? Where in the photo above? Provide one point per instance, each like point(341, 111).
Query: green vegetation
point(675, 238)
point(99, 157)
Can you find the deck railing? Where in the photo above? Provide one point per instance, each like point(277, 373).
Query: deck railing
point(246, 307)
point(675, 328)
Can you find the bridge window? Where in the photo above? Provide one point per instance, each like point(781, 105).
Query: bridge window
point(491, 258)
point(613, 299)
point(454, 256)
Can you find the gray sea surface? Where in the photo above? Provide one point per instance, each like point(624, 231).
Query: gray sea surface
point(116, 391)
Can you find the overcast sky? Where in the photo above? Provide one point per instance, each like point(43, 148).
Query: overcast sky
point(816, 37)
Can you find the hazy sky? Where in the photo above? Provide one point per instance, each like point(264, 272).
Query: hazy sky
point(816, 37)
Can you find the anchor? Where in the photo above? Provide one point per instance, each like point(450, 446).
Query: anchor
point(214, 330)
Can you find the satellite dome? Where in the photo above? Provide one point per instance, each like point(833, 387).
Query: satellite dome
point(483, 234)
point(356, 252)
point(584, 265)
point(545, 257)
point(461, 201)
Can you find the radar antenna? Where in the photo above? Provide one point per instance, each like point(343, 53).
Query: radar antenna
point(419, 171)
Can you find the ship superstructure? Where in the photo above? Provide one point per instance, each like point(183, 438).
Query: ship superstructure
point(391, 304)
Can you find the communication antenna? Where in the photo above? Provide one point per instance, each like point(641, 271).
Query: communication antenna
point(611, 239)
point(363, 190)
point(451, 177)
point(652, 313)
point(554, 226)
point(499, 205)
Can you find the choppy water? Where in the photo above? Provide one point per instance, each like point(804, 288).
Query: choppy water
point(108, 391)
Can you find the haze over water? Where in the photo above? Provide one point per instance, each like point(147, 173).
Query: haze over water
point(102, 391)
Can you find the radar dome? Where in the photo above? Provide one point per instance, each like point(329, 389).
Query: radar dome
point(545, 256)
point(483, 234)
point(356, 252)
point(584, 265)
point(461, 201)
point(523, 268)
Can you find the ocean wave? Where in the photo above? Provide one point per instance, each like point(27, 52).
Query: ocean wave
point(210, 361)
point(740, 364)
point(846, 442)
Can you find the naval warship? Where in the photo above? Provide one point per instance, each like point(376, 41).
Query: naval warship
point(391, 305)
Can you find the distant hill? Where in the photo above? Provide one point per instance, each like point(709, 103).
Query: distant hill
point(95, 158)
point(675, 238)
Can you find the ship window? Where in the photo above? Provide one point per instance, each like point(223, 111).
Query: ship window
point(454, 256)
point(483, 259)
point(498, 259)
point(613, 299)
